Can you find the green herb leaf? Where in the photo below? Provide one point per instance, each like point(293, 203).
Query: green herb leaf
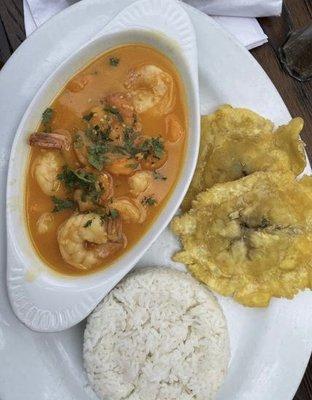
point(77, 179)
point(87, 178)
point(87, 182)
point(63, 204)
point(129, 138)
point(113, 213)
point(149, 201)
point(115, 112)
point(47, 115)
point(114, 61)
point(159, 176)
point(88, 117)
point(153, 147)
point(96, 156)
point(88, 223)
point(96, 135)
point(158, 147)
point(119, 149)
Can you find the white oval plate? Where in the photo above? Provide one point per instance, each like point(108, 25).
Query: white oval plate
point(50, 302)
point(270, 348)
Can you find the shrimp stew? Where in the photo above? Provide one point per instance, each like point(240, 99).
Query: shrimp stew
point(105, 159)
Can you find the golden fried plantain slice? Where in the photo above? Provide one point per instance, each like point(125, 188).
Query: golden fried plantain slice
point(236, 142)
point(250, 238)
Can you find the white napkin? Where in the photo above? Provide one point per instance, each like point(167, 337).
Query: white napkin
point(239, 8)
point(246, 30)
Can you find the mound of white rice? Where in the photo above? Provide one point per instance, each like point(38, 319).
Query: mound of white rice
point(158, 335)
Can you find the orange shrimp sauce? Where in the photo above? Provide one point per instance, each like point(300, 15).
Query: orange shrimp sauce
point(79, 95)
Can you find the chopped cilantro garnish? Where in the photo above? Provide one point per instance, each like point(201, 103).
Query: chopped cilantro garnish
point(96, 156)
point(87, 182)
point(88, 223)
point(77, 179)
point(159, 176)
point(119, 149)
point(150, 147)
point(47, 115)
point(158, 147)
point(88, 117)
point(62, 204)
point(115, 112)
point(114, 61)
point(153, 147)
point(113, 213)
point(97, 135)
point(149, 201)
point(129, 137)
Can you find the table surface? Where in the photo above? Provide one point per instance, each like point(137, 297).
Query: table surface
point(297, 96)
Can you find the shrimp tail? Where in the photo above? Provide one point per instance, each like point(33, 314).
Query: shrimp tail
point(116, 238)
point(111, 247)
point(49, 141)
point(114, 229)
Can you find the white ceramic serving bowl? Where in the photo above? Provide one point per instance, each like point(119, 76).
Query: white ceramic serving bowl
point(41, 298)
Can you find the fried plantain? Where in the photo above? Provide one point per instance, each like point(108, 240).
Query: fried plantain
point(235, 142)
point(250, 238)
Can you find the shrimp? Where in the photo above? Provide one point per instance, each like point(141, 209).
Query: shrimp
point(129, 210)
point(116, 106)
point(49, 140)
point(120, 114)
point(47, 166)
point(122, 103)
point(123, 166)
point(107, 120)
point(150, 86)
point(86, 239)
point(115, 164)
point(139, 182)
point(114, 114)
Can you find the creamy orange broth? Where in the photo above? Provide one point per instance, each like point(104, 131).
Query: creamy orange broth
point(83, 92)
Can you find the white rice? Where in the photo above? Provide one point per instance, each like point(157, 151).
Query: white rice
point(159, 335)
